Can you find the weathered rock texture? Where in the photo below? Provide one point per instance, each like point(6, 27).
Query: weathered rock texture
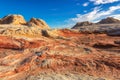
point(29, 53)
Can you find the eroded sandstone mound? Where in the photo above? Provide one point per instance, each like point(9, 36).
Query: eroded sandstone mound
point(39, 23)
point(13, 19)
point(19, 20)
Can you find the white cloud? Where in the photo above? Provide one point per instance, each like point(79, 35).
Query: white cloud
point(85, 17)
point(95, 15)
point(86, 4)
point(97, 2)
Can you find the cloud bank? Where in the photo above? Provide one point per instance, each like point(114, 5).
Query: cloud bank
point(96, 14)
point(97, 2)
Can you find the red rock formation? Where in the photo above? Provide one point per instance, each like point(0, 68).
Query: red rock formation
point(9, 43)
point(12, 43)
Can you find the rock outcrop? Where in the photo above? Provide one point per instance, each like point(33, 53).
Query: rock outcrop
point(109, 20)
point(39, 23)
point(13, 19)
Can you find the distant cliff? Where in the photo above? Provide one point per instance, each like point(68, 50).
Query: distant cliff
point(110, 26)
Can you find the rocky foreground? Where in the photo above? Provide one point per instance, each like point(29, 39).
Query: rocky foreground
point(30, 51)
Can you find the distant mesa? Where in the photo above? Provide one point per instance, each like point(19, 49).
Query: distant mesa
point(85, 23)
point(13, 19)
point(19, 20)
point(38, 22)
point(109, 20)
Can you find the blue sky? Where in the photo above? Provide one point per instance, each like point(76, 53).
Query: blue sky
point(62, 13)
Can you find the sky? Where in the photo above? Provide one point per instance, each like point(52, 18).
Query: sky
point(62, 13)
